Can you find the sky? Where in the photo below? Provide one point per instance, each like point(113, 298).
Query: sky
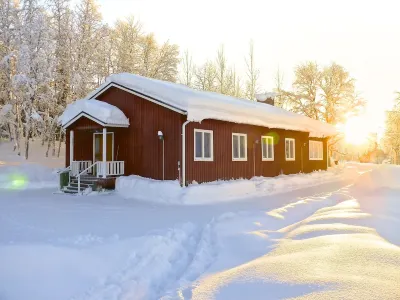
point(362, 36)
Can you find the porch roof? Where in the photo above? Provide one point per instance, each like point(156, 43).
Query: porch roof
point(100, 112)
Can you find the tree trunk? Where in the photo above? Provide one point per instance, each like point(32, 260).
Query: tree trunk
point(59, 142)
point(53, 153)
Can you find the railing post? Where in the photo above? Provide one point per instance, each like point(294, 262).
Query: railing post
point(104, 152)
point(71, 147)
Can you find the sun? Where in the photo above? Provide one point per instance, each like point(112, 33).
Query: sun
point(356, 131)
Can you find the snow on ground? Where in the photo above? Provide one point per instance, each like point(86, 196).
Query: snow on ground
point(330, 240)
point(35, 173)
point(170, 192)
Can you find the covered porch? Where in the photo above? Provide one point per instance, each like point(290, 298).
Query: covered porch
point(95, 133)
point(94, 152)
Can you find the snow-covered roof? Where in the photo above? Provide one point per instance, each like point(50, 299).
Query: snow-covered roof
point(98, 111)
point(200, 105)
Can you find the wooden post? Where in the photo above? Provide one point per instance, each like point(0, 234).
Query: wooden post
point(71, 147)
point(104, 152)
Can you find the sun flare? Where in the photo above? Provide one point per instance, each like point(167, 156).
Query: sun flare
point(356, 131)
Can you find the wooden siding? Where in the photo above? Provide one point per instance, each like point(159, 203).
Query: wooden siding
point(222, 167)
point(140, 146)
point(141, 149)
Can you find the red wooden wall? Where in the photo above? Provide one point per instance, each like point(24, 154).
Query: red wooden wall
point(139, 145)
point(141, 149)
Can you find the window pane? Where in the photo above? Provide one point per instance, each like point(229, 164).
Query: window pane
point(235, 146)
point(293, 150)
point(320, 151)
point(264, 148)
point(287, 149)
point(207, 145)
point(199, 144)
point(242, 147)
point(270, 148)
point(311, 150)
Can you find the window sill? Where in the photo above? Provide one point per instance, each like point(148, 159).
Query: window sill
point(203, 159)
point(268, 159)
point(290, 159)
point(320, 159)
point(239, 159)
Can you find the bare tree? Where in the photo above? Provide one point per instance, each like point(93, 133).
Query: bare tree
point(206, 77)
point(252, 74)
point(187, 72)
point(222, 69)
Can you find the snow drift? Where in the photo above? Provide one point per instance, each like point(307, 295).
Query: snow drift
point(385, 176)
point(170, 192)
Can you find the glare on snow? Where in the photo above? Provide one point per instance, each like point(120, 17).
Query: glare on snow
point(358, 264)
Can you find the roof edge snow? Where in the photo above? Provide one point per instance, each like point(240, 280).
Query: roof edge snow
point(201, 105)
point(100, 112)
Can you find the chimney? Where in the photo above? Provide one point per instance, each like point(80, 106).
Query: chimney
point(268, 98)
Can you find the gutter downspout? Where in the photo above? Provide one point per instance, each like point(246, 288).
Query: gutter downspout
point(184, 152)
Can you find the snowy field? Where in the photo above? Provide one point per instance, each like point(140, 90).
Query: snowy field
point(333, 235)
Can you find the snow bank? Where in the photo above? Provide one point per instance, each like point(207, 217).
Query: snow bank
point(28, 176)
point(385, 176)
point(102, 111)
point(200, 105)
point(170, 192)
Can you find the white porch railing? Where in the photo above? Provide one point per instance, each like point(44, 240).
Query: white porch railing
point(113, 168)
point(79, 166)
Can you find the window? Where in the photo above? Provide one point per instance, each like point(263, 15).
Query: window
point(290, 149)
point(267, 147)
point(239, 146)
point(316, 150)
point(203, 145)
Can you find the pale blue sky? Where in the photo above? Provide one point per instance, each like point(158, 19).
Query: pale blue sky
point(363, 36)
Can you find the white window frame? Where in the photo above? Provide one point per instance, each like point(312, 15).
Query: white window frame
point(245, 147)
point(271, 138)
point(294, 149)
point(320, 151)
point(202, 131)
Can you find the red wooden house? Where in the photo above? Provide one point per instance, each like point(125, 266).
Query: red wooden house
point(162, 130)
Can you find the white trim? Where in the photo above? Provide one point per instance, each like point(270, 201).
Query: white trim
point(202, 138)
point(267, 137)
point(184, 152)
point(71, 147)
point(245, 146)
point(181, 111)
point(112, 133)
point(320, 151)
point(83, 114)
point(294, 149)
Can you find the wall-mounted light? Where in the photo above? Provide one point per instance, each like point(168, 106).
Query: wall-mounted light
point(160, 135)
point(161, 138)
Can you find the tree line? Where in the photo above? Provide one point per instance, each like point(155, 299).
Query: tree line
point(52, 53)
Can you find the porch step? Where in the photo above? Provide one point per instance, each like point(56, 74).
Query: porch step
point(87, 181)
point(73, 189)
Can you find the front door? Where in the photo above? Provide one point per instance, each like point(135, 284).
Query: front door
point(98, 147)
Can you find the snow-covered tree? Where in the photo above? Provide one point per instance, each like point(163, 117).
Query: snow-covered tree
point(87, 38)
point(34, 71)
